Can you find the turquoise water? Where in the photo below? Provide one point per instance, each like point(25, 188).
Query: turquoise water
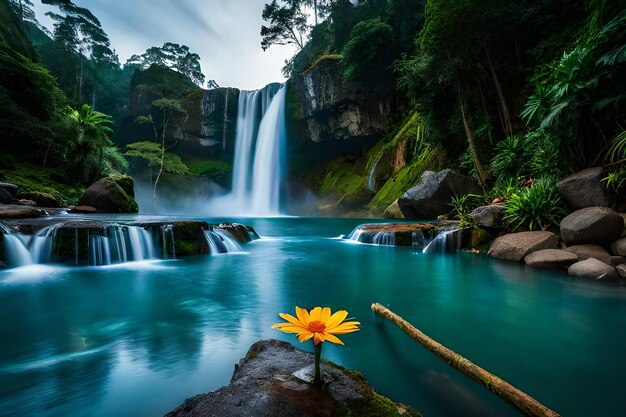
point(137, 339)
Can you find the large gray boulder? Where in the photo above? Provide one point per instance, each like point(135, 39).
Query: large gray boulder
point(5, 196)
point(551, 259)
point(267, 383)
point(20, 212)
point(489, 216)
point(590, 251)
point(516, 246)
point(10, 188)
point(619, 247)
point(431, 197)
point(393, 211)
point(621, 270)
point(596, 225)
point(585, 189)
point(594, 269)
point(109, 197)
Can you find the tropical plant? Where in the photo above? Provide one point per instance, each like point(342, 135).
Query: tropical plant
point(366, 54)
point(536, 207)
point(462, 207)
point(509, 161)
point(616, 180)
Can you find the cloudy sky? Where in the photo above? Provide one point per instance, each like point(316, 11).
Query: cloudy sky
point(225, 33)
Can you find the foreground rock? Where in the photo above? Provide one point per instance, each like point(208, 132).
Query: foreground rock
point(12, 189)
point(592, 225)
point(551, 259)
point(42, 199)
point(432, 196)
point(489, 216)
point(516, 246)
point(594, 269)
point(20, 212)
point(585, 189)
point(5, 196)
point(111, 195)
point(584, 252)
point(264, 385)
point(619, 247)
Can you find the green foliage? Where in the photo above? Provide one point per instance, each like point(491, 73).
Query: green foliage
point(153, 154)
point(319, 45)
point(287, 24)
point(462, 207)
point(508, 160)
point(536, 207)
point(366, 54)
point(171, 55)
point(160, 81)
point(616, 180)
point(617, 148)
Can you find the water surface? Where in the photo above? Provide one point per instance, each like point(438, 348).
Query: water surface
point(137, 339)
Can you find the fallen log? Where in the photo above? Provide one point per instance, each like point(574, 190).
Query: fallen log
point(519, 399)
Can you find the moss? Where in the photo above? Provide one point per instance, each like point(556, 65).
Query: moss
point(209, 168)
point(322, 58)
point(189, 238)
point(33, 178)
point(126, 183)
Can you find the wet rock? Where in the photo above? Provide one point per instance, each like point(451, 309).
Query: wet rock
point(42, 199)
point(618, 260)
point(551, 259)
point(10, 188)
point(595, 225)
point(432, 196)
point(393, 211)
point(594, 269)
point(619, 247)
point(516, 246)
point(242, 234)
point(264, 385)
point(108, 197)
point(585, 189)
point(621, 270)
point(489, 216)
point(24, 202)
point(83, 210)
point(590, 251)
point(20, 212)
point(5, 196)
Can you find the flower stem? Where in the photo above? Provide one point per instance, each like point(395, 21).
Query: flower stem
point(317, 376)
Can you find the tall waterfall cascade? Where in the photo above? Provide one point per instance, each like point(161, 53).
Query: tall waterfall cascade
point(259, 163)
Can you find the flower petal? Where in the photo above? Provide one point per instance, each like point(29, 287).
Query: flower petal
point(315, 314)
point(291, 319)
point(288, 328)
point(336, 319)
point(318, 338)
point(303, 316)
point(343, 328)
point(325, 315)
point(304, 336)
point(333, 338)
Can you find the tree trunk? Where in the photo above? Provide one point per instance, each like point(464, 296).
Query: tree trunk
point(315, 10)
point(156, 181)
point(519, 399)
point(80, 77)
point(504, 108)
point(480, 171)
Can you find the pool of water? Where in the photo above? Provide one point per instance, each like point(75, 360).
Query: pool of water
point(137, 339)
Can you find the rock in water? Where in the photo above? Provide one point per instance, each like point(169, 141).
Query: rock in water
point(109, 197)
point(594, 269)
point(516, 246)
point(619, 247)
point(432, 196)
point(592, 225)
point(5, 196)
point(20, 212)
point(590, 251)
point(551, 259)
point(264, 385)
point(585, 189)
point(10, 188)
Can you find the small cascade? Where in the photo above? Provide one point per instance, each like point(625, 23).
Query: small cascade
point(418, 240)
point(381, 238)
point(167, 241)
point(448, 240)
point(371, 180)
point(119, 244)
point(22, 249)
point(220, 241)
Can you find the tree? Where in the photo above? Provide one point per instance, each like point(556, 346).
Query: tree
point(23, 10)
point(173, 56)
point(287, 24)
point(366, 54)
point(156, 154)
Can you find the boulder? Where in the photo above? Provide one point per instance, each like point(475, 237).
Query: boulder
point(621, 270)
point(83, 210)
point(20, 212)
point(516, 246)
point(108, 197)
point(489, 216)
point(10, 188)
point(596, 225)
point(594, 269)
point(432, 196)
point(619, 247)
point(393, 211)
point(42, 199)
point(126, 182)
point(585, 189)
point(24, 202)
point(618, 260)
point(590, 251)
point(267, 382)
point(551, 259)
point(5, 196)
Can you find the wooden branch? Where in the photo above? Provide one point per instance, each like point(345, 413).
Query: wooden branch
point(520, 400)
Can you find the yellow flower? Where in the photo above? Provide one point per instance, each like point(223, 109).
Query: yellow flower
point(318, 324)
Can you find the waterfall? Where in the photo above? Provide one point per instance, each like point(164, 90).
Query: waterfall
point(259, 161)
point(167, 237)
point(371, 180)
point(22, 249)
point(448, 240)
point(220, 241)
point(119, 244)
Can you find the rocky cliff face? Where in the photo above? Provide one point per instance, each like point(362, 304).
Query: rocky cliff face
point(326, 108)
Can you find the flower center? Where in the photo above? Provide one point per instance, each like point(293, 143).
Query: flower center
point(316, 326)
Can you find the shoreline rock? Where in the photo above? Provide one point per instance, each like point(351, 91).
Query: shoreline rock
point(264, 385)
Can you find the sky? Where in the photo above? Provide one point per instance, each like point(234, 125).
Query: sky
point(225, 33)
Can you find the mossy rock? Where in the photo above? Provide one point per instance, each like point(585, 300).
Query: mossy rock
point(189, 238)
point(108, 197)
point(126, 182)
point(42, 199)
